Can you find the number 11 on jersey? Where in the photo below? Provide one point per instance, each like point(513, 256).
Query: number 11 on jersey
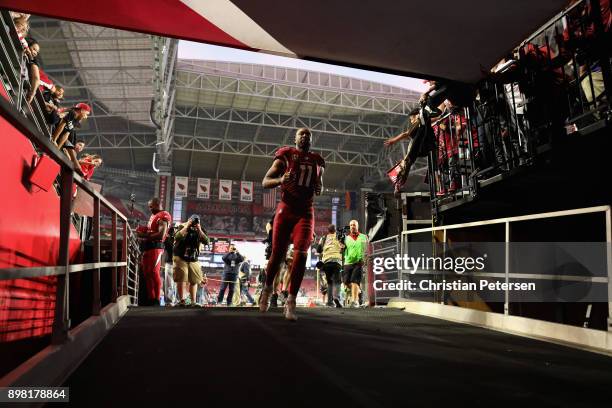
point(305, 175)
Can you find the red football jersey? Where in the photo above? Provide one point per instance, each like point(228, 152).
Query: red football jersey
point(154, 220)
point(305, 169)
point(88, 169)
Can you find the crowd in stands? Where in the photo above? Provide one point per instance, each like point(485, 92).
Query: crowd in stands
point(61, 120)
point(551, 85)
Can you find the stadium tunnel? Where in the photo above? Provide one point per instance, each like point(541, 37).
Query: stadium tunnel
point(201, 134)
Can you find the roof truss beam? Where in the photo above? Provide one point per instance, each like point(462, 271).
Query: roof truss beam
point(187, 80)
point(327, 125)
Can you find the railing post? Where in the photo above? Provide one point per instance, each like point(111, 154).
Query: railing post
point(403, 250)
point(114, 259)
point(398, 250)
point(443, 299)
point(61, 322)
point(95, 309)
point(609, 264)
point(125, 258)
point(507, 269)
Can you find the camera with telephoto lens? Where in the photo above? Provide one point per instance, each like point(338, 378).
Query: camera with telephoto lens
point(195, 219)
point(342, 233)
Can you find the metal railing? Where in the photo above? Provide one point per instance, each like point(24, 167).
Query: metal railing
point(407, 237)
point(453, 164)
point(557, 82)
point(386, 247)
point(13, 72)
point(124, 271)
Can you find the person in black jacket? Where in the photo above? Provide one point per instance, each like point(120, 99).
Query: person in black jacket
point(230, 272)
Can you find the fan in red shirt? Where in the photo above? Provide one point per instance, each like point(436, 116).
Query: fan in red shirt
point(89, 163)
point(153, 236)
point(299, 173)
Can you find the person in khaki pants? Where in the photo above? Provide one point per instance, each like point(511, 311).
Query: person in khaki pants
point(187, 241)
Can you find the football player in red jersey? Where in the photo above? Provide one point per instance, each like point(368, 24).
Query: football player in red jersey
point(153, 242)
point(299, 173)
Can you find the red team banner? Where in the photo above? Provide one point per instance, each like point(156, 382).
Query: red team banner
point(203, 190)
point(163, 190)
point(246, 191)
point(225, 190)
point(181, 186)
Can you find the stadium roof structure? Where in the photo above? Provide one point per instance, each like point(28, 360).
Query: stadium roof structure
point(442, 39)
point(126, 75)
point(229, 118)
point(112, 71)
point(210, 118)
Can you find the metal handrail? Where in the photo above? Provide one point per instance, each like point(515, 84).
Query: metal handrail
point(551, 22)
point(40, 271)
point(393, 247)
point(553, 214)
point(507, 221)
point(68, 177)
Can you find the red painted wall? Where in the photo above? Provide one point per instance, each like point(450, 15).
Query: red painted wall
point(3, 92)
point(29, 236)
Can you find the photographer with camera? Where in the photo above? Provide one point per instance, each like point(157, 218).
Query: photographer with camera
point(187, 240)
point(330, 249)
point(230, 272)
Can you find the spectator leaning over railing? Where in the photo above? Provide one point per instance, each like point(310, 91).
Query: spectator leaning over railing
point(52, 98)
point(65, 132)
point(440, 130)
point(33, 64)
point(420, 135)
point(579, 36)
point(88, 163)
point(22, 26)
point(79, 146)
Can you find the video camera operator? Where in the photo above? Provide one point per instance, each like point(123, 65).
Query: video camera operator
point(230, 271)
point(187, 240)
point(330, 248)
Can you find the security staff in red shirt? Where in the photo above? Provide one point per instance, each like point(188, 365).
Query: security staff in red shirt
point(153, 236)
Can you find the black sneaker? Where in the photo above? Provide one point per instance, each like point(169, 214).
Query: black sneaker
point(274, 300)
point(337, 303)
